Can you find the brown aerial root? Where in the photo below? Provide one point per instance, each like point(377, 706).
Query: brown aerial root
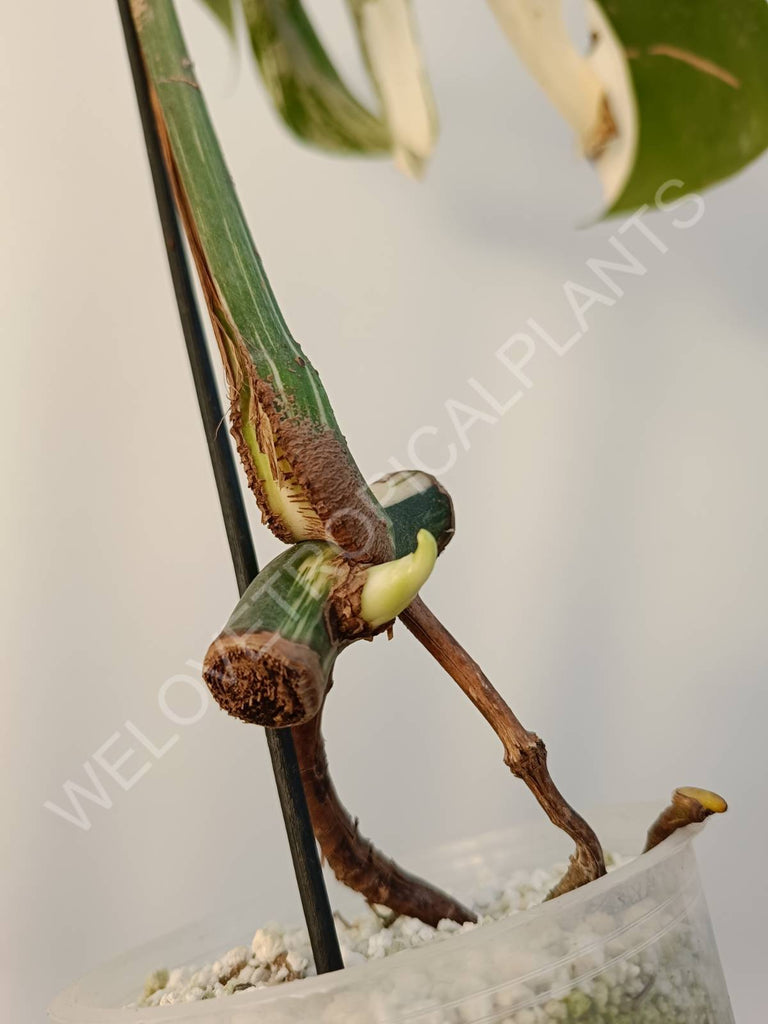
point(688, 807)
point(524, 753)
point(353, 859)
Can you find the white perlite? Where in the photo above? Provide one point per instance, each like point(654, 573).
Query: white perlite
point(281, 954)
point(635, 953)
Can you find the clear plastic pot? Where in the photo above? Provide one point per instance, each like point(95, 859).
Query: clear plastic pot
point(635, 947)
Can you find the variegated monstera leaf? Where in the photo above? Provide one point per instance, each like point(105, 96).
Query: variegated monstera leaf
point(668, 90)
point(310, 94)
point(664, 89)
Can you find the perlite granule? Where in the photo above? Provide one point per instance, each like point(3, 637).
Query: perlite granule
point(598, 985)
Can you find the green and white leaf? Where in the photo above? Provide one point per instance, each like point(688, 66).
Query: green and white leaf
point(670, 90)
point(306, 89)
point(537, 29)
point(389, 41)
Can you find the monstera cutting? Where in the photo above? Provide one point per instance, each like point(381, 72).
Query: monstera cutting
point(662, 90)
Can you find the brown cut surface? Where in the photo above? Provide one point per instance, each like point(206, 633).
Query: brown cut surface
point(264, 679)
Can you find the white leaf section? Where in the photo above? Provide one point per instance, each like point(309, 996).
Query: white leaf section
point(388, 36)
point(608, 60)
point(593, 92)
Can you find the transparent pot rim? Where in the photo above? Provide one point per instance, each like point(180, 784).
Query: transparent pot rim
point(68, 1009)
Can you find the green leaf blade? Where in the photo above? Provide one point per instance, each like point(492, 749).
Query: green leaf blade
point(305, 87)
point(699, 73)
point(224, 13)
point(670, 90)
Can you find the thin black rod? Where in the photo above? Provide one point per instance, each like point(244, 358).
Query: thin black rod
point(306, 862)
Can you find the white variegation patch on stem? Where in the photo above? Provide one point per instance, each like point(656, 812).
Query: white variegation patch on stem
point(401, 485)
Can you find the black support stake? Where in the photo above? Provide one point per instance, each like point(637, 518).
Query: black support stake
point(306, 862)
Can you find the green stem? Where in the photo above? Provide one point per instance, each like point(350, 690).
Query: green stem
point(297, 461)
point(271, 664)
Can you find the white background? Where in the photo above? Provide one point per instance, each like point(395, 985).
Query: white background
point(611, 559)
